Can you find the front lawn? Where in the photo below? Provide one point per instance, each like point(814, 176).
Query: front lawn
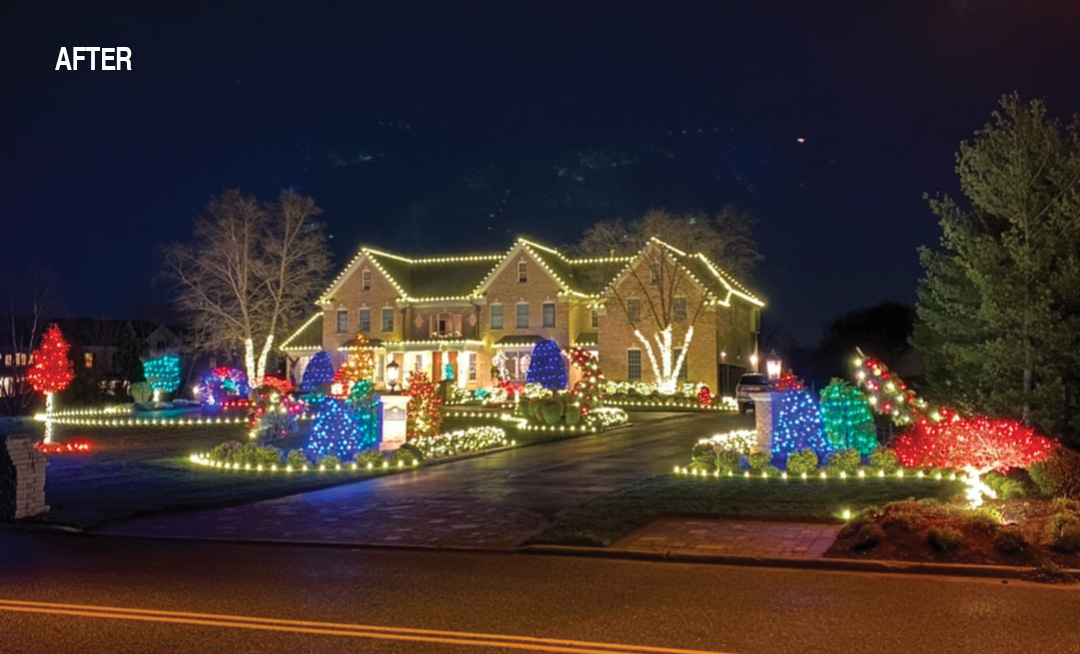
point(606, 519)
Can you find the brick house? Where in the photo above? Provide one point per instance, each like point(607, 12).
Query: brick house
point(458, 313)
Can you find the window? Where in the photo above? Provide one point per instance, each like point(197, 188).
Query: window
point(684, 372)
point(523, 272)
point(633, 365)
point(548, 314)
point(633, 309)
point(522, 315)
point(88, 359)
point(443, 324)
point(496, 316)
point(20, 359)
point(388, 319)
point(678, 309)
point(365, 320)
point(7, 359)
point(594, 319)
point(654, 272)
point(472, 366)
point(342, 321)
point(380, 367)
point(365, 280)
point(418, 363)
point(517, 363)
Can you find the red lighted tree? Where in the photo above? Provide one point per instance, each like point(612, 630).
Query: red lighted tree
point(424, 413)
point(973, 445)
point(50, 371)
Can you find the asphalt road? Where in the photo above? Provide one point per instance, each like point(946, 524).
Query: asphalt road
point(496, 500)
point(375, 600)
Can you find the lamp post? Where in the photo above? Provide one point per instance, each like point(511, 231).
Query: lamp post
point(392, 372)
point(773, 365)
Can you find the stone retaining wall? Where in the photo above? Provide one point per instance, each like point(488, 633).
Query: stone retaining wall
point(22, 478)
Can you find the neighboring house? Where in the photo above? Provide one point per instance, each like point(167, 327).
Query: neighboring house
point(94, 346)
point(461, 313)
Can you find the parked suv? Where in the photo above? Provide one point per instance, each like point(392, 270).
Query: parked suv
point(750, 383)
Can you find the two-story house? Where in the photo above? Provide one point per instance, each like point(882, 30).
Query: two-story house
point(457, 316)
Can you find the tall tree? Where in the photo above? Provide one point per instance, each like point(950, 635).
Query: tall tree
point(999, 306)
point(727, 237)
point(249, 273)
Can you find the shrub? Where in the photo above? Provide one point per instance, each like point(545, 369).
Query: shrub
point(759, 461)
point(573, 415)
point(985, 519)
point(1006, 488)
point(267, 456)
point(708, 459)
point(869, 535)
point(552, 411)
point(884, 459)
point(1063, 532)
point(1009, 540)
point(141, 392)
point(297, 459)
point(846, 461)
point(364, 457)
point(1058, 475)
point(328, 461)
point(800, 462)
point(247, 455)
point(406, 455)
point(907, 514)
point(944, 539)
point(225, 451)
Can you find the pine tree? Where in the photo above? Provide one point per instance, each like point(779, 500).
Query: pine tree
point(129, 355)
point(999, 308)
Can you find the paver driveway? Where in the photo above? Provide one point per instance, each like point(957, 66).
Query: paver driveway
point(496, 501)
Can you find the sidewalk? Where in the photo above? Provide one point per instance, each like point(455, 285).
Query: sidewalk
point(732, 538)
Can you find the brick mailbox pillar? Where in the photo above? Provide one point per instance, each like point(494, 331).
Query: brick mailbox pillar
point(763, 420)
point(22, 478)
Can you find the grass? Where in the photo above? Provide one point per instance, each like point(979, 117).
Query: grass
point(607, 519)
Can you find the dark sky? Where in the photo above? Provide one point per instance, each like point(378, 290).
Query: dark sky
point(452, 126)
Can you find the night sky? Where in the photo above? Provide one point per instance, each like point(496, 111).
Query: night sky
point(453, 127)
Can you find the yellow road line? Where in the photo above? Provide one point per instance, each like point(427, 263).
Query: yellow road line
point(337, 629)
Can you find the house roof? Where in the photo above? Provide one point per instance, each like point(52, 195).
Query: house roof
point(307, 337)
point(428, 278)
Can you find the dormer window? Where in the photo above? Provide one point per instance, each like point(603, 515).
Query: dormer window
point(365, 280)
point(523, 272)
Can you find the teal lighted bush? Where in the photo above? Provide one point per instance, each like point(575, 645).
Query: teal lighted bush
point(803, 462)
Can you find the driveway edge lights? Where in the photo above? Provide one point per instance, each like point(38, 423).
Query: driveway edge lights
point(835, 564)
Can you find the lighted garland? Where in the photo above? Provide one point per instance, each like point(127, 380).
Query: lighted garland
point(846, 418)
point(889, 396)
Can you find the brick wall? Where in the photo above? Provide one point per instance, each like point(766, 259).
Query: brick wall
point(352, 297)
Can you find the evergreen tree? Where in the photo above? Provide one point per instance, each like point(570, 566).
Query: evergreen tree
point(129, 355)
point(999, 308)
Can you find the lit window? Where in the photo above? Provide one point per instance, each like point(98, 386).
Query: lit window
point(388, 319)
point(472, 366)
point(342, 321)
point(633, 365)
point(7, 359)
point(380, 367)
point(678, 309)
point(496, 316)
point(633, 309)
point(88, 359)
point(548, 314)
point(523, 272)
point(594, 319)
point(418, 363)
point(523, 315)
point(365, 280)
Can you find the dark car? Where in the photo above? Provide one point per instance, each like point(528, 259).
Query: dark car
point(750, 383)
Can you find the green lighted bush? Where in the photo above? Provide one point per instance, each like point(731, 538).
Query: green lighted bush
point(846, 461)
point(802, 462)
point(885, 460)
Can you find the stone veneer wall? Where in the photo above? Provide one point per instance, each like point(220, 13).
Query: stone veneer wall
point(22, 478)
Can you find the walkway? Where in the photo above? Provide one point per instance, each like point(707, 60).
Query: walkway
point(492, 501)
point(733, 538)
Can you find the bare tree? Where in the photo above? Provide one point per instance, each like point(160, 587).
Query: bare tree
point(249, 273)
point(727, 238)
point(657, 292)
point(30, 299)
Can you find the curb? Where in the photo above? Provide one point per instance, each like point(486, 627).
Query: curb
point(845, 565)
